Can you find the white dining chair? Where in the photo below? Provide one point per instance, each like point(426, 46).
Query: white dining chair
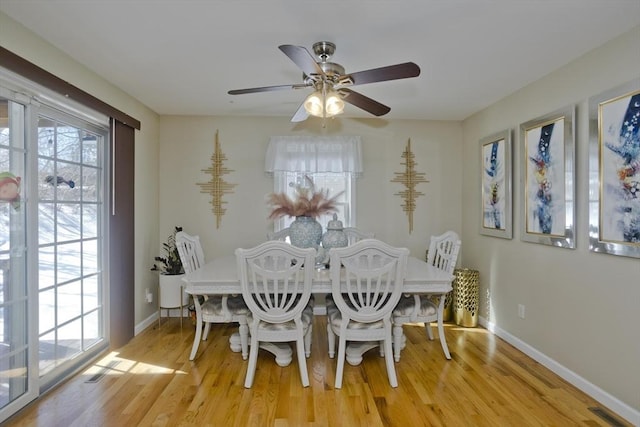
point(367, 280)
point(442, 254)
point(276, 278)
point(214, 308)
point(354, 234)
point(279, 235)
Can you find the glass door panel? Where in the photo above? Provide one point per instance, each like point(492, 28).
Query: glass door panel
point(16, 379)
point(70, 241)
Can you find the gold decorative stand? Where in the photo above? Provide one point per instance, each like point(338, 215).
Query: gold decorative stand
point(466, 296)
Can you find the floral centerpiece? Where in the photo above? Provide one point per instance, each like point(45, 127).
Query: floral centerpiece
point(307, 205)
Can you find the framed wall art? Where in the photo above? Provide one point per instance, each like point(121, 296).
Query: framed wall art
point(548, 177)
point(614, 171)
point(496, 185)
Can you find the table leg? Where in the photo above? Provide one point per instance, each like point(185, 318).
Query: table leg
point(355, 350)
point(282, 351)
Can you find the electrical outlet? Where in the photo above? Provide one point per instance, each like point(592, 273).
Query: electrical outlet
point(521, 311)
point(149, 296)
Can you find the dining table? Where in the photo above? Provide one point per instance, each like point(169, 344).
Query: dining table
point(219, 276)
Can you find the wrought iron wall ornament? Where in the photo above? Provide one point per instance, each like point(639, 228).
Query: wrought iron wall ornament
point(217, 186)
point(410, 178)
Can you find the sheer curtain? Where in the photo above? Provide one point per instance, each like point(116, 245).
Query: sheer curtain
point(333, 163)
point(314, 154)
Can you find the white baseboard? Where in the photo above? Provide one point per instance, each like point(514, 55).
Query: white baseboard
point(145, 323)
point(173, 312)
point(620, 408)
point(320, 310)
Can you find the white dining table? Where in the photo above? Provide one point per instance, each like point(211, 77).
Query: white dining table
point(220, 277)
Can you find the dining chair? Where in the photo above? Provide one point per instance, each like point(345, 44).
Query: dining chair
point(279, 235)
point(213, 309)
point(442, 254)
point(355, 234)
point(276, 278)
point(366, 280)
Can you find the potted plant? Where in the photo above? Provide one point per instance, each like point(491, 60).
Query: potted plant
point(171, 287)
point(170, 264)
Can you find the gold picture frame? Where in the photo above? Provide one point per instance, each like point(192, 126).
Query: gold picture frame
point(496, 185)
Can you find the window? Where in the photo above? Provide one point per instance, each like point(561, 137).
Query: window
point(332, 163)
point(335, 183)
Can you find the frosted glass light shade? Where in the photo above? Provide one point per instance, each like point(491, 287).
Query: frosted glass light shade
point(332, 106)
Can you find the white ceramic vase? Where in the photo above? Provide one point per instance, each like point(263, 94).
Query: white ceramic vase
point(305, 232)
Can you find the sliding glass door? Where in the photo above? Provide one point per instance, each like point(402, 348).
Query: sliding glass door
point(70, 242)
point(53, 246)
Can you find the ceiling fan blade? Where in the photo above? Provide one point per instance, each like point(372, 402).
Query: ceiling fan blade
point(300, 115)
point(391, 72)
point(364, 102)
point(267, 89)
point(302, 58)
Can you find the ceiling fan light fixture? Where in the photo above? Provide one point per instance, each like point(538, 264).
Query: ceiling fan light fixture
point(313, 104)
point(332, 106)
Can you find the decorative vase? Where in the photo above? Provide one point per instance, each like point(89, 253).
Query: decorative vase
point(305, 232)
point(334, 237)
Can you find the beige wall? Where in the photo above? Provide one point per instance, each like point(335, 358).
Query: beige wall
point(581, 307)
point(186, 146)
point(24, 43)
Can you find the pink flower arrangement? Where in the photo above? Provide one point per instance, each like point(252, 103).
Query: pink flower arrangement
point(308, 202)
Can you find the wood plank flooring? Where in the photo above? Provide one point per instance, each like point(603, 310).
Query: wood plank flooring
point(151, 382)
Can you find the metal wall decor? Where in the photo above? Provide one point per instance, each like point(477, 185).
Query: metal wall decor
point(217, 186)
point(410, 178)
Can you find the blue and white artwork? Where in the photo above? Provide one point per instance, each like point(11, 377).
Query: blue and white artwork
point(545, 179)
point(620, 172)
point(494, 185)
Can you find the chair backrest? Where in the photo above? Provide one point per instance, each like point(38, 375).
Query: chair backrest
point(367, 279)
point(276, 279)
point(443, 251)
point(354, 235)
point(190, 251)
point(279, 235)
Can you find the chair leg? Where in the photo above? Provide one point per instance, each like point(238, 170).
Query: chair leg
point(307, 340)
point(397, 340)
point(196, 339)
point(443, 339)
point(243, 331)
point(331, 341)
point(342, 345)
point(427, 328)
point(207, 326)
point(391, 369)
point(253, 359)
point(302, 361)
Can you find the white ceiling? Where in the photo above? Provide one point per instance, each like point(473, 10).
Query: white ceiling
point(181, 57)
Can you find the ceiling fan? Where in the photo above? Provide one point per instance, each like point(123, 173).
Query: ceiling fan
point(330, 82)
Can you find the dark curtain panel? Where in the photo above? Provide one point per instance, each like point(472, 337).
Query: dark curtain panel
point(121, 235)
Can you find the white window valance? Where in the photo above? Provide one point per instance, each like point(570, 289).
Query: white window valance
point(314, 154)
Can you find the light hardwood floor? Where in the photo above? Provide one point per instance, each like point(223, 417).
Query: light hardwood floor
point(151, 382)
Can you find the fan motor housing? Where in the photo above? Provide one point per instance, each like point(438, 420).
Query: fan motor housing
point(332, 71)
